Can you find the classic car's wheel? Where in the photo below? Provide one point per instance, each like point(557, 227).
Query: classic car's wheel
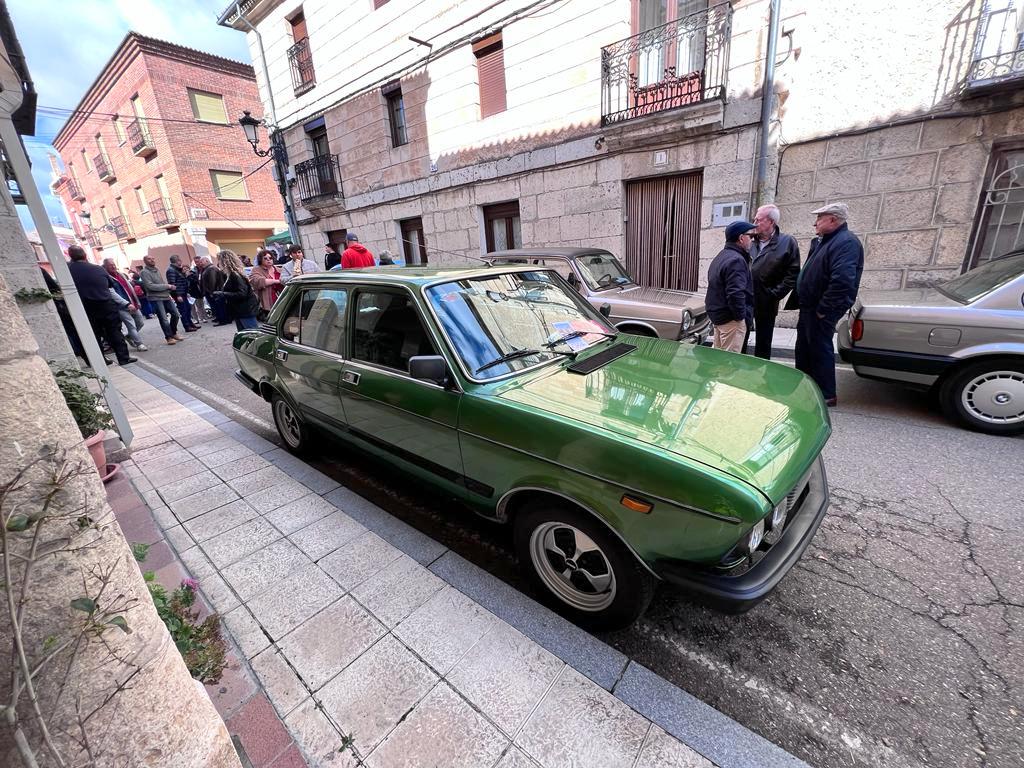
point(987, 396)
point(289, 425)
point(581, 569)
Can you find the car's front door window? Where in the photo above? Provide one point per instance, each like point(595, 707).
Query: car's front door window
point(317, 319)
point(602, 270)
point(387, 330)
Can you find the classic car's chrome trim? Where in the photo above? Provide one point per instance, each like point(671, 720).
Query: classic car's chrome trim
point(404, 376)
point(697, 510)
point(636, 321)
point(503, 501)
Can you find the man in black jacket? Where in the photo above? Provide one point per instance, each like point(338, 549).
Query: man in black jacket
point(774, 265)
point(730, 296)
point(825, 290)
point(178, 277)
point(93, 286)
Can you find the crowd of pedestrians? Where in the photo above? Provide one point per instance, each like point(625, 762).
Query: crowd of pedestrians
point(760, 265)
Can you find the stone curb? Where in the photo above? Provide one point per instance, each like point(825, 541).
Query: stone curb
point(713, 734)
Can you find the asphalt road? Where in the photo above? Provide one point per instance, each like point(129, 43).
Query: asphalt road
point(897, 640)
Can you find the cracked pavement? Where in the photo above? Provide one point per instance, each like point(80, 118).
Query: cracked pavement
point(898, 639)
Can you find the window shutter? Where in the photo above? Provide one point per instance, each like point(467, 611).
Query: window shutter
point(490, 67)
point(228, 185)
point(299, 27)
point(208, 107)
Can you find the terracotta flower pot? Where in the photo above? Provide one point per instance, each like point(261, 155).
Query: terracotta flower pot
point(98, 451)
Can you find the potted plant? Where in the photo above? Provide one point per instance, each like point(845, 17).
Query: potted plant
point(91, 416)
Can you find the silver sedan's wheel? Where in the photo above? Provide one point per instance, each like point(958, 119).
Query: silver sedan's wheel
point(289, 426)
point(995, 397)
point(572, 566)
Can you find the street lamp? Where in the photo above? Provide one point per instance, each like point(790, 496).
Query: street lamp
point(250, 125)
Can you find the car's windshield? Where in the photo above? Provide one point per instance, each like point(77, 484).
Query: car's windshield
point(503, 323)
point(602, 270)
point(983, 279)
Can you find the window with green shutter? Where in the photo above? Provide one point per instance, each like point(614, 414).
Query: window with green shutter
point(229, 185)
point(208, 107)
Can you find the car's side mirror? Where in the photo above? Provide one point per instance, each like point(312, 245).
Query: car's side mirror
point(432, 368)
point(606, 310)
point(290, 329)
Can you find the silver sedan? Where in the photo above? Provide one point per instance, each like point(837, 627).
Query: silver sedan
point(963, 339)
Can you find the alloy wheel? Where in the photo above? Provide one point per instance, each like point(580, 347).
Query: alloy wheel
point(995, 397)
point(572, 566)
point(288, 423)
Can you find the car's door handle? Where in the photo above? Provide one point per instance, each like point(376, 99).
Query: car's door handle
point(350, 377)
point(281, 355)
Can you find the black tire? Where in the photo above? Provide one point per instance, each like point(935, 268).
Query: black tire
point(293, 431)
point(987, 396)
point(631, 585)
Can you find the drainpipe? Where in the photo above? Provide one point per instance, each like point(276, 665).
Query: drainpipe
point(761, 187)
point(23, 173)
point(273, 134)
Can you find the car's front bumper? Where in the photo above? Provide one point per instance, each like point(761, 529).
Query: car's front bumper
point(697, 336)
point(741, 592)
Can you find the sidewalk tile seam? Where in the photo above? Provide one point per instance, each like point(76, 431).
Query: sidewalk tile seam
point(623, 682)
point(643, 744)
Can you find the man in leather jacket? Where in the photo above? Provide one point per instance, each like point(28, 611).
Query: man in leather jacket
point(775, 264)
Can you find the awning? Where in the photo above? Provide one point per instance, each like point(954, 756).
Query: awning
point(280, 237)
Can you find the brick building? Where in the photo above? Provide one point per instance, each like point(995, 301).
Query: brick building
point(154, 154)
point(635, 125)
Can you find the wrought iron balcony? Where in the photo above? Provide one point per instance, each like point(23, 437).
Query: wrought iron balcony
point(93, 239)
point(998, 48)
point(163, 212)
point(74, 192)
point(104, 170)
point(318, 178)
point(300, 57)
point(679, 63)
point(121, 228)
point(140, 138)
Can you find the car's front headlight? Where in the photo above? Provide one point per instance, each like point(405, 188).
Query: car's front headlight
point(778, 516)
point(687, 320)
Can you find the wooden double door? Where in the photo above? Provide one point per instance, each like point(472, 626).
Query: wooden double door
point(663, 230)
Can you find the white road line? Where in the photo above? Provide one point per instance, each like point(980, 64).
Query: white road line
point(222, 404)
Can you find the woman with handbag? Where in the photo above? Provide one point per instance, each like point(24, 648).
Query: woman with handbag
point(266, 281)
point(239, 297)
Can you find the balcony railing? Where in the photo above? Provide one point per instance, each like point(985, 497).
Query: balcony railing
point(140, 138)
point(319, 177)
point(121, 228)
point(163, 212)
point(679, 63)
point(104, 170)
point(93, 239)
point(998, 47)
point(301, 60)
point(74, 192)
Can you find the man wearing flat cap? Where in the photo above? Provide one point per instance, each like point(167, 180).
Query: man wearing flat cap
point(730, 296)
point(825, 290)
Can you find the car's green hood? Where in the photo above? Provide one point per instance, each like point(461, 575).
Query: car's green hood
point(762, 422)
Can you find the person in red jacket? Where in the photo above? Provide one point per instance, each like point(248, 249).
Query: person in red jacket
point(356, 255)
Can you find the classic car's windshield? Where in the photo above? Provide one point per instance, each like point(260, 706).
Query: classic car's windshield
point(971, 286)
point(504, 323)
point(602, 270)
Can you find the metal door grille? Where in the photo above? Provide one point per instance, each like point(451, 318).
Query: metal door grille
point(663, 231)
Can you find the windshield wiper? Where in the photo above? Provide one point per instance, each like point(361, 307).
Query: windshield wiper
point(515, 354)
point(576, 335)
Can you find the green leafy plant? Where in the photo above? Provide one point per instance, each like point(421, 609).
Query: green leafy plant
point(200, 643)
point(33, 295)
point(86, 406)
point(140, 550)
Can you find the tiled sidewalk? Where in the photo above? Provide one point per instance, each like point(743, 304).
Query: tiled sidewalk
point(363, 630)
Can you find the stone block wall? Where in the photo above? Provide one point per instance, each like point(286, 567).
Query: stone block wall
point(913, 192)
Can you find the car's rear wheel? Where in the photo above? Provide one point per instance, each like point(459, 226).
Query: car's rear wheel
point(987, 396)
point(290, 426)
point(580, 568)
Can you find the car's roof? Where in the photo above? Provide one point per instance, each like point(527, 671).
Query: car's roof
point(536, 253)
point(409, 275)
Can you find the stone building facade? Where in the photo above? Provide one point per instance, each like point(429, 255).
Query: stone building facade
point(634, 125)
point(153, 152)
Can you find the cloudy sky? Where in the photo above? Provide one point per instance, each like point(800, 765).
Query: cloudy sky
point(67, 43)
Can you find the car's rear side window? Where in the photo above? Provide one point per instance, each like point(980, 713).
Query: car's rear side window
point(387, 330)
point(321, 313)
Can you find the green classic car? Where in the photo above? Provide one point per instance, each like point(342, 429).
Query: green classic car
point(618, 460)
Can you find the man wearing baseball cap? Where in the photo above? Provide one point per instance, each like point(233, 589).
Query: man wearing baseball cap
point(730, 296)
point(356, 255)
point(825, 290)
